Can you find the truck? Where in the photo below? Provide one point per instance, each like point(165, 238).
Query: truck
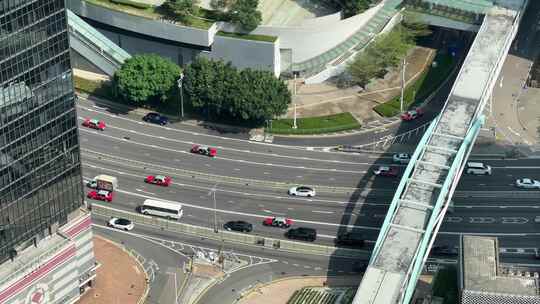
point(103, 182)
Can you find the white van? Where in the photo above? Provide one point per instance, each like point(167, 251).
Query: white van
point(477, 169)
point(163, 209)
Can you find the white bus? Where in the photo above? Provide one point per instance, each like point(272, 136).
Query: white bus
point(160, 208)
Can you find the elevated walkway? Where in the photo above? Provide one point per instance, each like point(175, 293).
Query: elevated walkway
point(94, 46)
point(429, 181)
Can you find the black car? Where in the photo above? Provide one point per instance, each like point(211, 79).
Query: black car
point(156, 118)
point(350, 239)
point(302, 233)
point(238, 226)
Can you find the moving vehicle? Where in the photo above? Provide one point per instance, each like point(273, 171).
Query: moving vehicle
point(477, 168)
point(204, 150)
point(278, 221)
point(100, 195)
point(386, 171)
point(120, 223)
point(302, 191)
point(160, 180)
point(350, 239)
point(527, 183)
point(103, 182)
point(238, 226)
point(302, 233)
point(412, 114)
point(163, 209)
point(94, 124)
point(401, 158)
point(156, 118)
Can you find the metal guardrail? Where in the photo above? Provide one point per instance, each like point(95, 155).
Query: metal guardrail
point(211, 177)
point(226, 236)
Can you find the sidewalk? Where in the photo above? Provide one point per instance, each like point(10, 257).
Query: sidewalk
point(119, 279)
point(280, 291)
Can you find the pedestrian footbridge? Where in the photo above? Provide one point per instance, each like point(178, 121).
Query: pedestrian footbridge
point(94, 46)
point(429, 181)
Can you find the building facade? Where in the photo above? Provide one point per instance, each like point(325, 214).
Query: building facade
point(41, 191)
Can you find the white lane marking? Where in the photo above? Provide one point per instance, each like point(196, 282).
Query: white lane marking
point(514, 220)
point(227, 159)
point(481, 220)
point(323, 212)
point(266, 173)
point(294, 198)
point(140, 190)
point(242, 213)
point(224, 138)
point(236, 169)
point(453, 219)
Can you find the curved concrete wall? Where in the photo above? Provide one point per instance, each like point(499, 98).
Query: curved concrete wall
point(307, 42)
point(142, 25)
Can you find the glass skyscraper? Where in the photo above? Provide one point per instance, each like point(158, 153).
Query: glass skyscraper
point(40, 169)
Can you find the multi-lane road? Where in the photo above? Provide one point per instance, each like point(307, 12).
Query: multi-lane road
point(250, 181)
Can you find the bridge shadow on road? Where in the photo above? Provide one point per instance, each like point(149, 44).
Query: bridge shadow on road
point(368, 204)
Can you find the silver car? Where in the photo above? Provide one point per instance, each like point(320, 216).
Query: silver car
point(527, 183)
point(120, 223)
point(302, 191)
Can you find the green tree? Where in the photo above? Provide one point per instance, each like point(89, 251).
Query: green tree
point(387, 51)
point(181, 9)
point(245, 14)
point(221, 5)
point(219, 90)
point(145, 78)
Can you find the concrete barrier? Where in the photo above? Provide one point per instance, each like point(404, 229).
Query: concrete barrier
point(227, 236)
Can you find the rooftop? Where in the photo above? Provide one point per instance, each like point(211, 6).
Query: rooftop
point(480, 269)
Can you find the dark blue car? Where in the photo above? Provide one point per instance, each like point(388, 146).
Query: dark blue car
point(156, 118)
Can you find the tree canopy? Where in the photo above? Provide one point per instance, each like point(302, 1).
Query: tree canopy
point(219, 90)
point(245, 14)
point(181, 9)
point(145, 78)
point(387, 51)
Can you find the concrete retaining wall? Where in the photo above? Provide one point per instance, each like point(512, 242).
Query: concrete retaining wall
point(142, 25)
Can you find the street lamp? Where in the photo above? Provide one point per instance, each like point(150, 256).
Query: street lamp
point(180, 87)
point(295, 73)
point(402, 85)
point(213, 193)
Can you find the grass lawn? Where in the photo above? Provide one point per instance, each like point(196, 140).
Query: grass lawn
point(264, 38)
point(416, 92)
point(316, 125)
point(96, 88)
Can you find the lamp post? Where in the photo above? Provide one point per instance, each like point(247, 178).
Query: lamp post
point(295, 73)
point(180, 87)
point(213, 193)
point(402, 85)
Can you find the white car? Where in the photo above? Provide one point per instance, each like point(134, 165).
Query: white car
point(401, 158)
point(120, 223)
point(302, 191)
point(528, 183)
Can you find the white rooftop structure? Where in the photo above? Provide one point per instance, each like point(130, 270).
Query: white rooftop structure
point(480, 280)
